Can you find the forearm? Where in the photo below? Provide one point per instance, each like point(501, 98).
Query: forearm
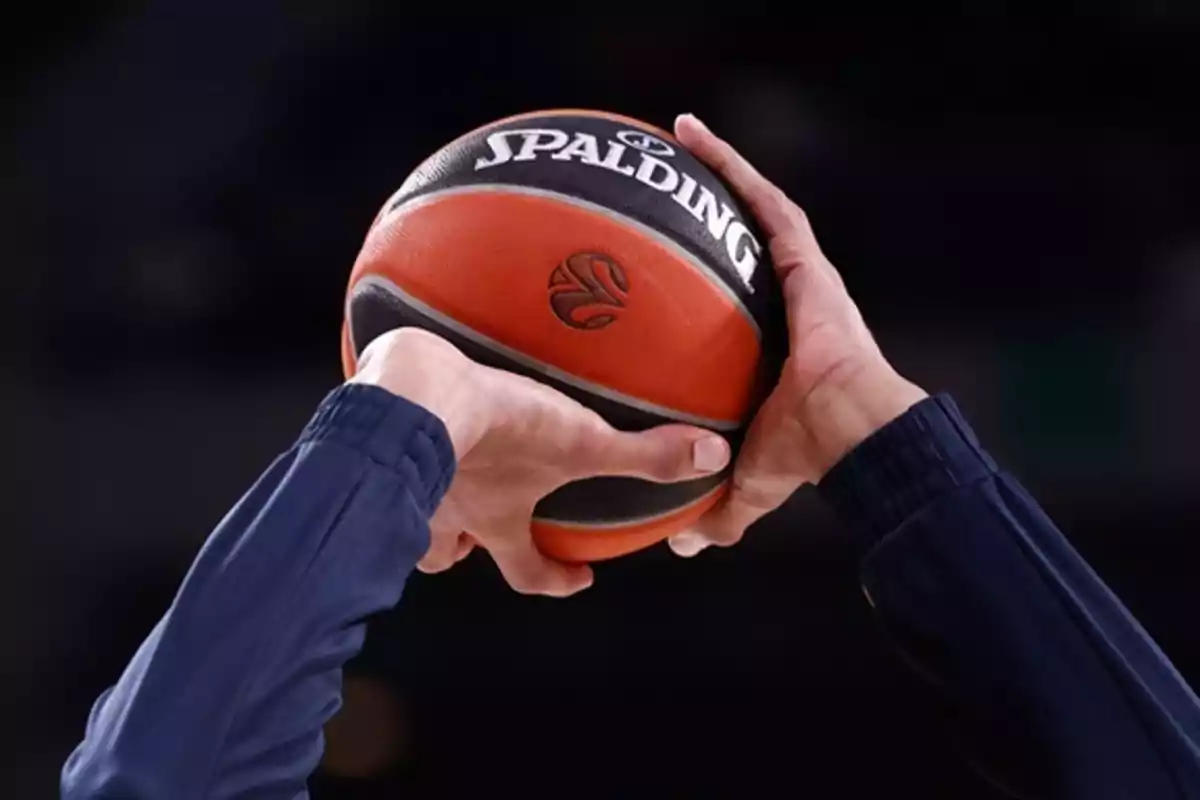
point(1053, 686)
point(228, 694)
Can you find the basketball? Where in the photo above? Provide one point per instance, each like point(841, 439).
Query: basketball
point(591, 252)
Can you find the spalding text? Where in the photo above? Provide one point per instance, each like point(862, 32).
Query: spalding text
point(720, 220)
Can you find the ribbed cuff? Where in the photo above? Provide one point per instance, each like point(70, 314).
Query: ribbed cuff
point(920, 456)
point(392, 432)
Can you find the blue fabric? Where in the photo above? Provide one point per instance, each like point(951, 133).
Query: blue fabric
point(228, 694)
point(1053, 688)
point(1056, 690)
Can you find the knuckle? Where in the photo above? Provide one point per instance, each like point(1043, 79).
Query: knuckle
point(728, 536)
point(522, 586)
point(526, 583)
point(666, 469)
point(791, 254)
point(371, 352)
point(723, 530)
point(778, 199)
point(594, 436)
point(753, 496)
point(799, 215)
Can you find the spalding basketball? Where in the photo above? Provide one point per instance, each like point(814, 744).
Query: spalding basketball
point(593, 253)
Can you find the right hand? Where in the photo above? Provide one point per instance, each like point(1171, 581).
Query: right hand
point(515, 441)
point(836, 387)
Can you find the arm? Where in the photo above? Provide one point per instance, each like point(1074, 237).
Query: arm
point(1054, 687)
point(228, 694)
point(230, 690)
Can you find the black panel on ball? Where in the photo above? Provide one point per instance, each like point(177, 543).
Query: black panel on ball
point(373, 311)
point(600, 160)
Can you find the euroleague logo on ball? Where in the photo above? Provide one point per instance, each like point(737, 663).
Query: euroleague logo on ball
point(639, 140)
point(588, 282)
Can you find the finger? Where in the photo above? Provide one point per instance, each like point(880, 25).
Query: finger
point(776, 214)
point(748, 501)
point(528, 571)
point(466, 544)
point(727, 524)
point(665, 454)
point(768, 471)
point(446, 549)
point(688, 543)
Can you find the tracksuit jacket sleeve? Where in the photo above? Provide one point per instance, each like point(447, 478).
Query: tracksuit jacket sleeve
point(228, 694)
point(1054, 689)
point(1057, 691)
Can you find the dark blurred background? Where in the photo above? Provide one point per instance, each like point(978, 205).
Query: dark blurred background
point(184, 189)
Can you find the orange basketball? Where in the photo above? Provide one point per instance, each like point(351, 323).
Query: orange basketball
point(591, 252)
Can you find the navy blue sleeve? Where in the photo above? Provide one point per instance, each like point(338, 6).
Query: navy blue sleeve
point(228, 694)
point(1053, 688)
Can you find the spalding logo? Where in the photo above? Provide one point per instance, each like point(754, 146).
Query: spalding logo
point(637, 155)
point(587, 281)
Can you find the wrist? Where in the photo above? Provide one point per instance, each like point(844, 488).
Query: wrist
point(429, 372)
point(841, 414)
point(454, 404)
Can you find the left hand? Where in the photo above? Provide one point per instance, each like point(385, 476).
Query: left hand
point(836, 388)
point(516, 441)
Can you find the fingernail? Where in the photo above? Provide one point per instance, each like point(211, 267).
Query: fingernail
point(710, 454)
point(695, 119)
point(688, 544)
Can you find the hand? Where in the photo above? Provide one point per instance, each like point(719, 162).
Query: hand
point(836, 387)
point(516, 441)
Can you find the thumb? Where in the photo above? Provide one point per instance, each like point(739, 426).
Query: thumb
point(665, 454)
point(770, 468)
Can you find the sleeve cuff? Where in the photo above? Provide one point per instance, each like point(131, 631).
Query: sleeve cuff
point(392, 432)
point(923, 454)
